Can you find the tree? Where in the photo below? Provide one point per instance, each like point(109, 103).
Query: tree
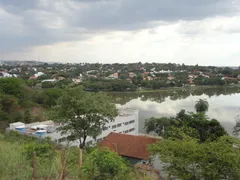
point(103, 164)
point(27, 116)
point(158, 125)
point(83, 114)
point(206, 129)
point(188, 159)
point(12, 86)
point(201, 106)
point(8, 102)
point(32, 82)
point(47, 84)
point(236, 128)
point(49, 96)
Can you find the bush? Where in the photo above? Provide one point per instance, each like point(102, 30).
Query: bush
point(48, 84)
point(103, 164)
point(44, 151)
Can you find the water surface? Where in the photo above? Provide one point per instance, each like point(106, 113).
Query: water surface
point(224, 104)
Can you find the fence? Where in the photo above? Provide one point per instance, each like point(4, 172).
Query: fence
point(34, 166)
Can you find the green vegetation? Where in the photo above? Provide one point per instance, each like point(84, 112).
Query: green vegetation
point(18, 102)
point(236, 128)
point(103, 164)
point(16, 158)
point(83, 114)
point(194, 146)
point(201, 106)
point(188, 159)
point(16, 154)
point(206, 129)
point(108, 85)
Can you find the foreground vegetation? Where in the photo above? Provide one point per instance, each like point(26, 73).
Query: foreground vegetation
point(187, 158)
point(16, 154)
point(196, 147)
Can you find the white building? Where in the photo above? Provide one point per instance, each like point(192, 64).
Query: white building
point(126, 122)
point(38, 74)
point(49, 80)
point(4, 74)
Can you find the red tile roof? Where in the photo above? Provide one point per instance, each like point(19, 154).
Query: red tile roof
point(128, 145)
point(33, 77)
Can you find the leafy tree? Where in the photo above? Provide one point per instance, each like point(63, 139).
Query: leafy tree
point(188, 159)
point(44, 76)
point(27, 116)
point(5, 118)
point(50, 96)
point(206, 129)
point(158, 125)
point(103, 164)
point(8, 103)
point(201, 105)
point(83, 114)
point(47, 84)
point(12, 86)
point(236, 128)
point(63, 83)
point(32, 82)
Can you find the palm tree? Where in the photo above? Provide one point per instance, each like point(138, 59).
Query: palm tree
point(201, 105)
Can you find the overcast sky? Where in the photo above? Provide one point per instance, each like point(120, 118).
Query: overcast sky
point(205, 32)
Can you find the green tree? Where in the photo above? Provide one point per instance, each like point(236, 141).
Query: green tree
point(206, 129)
point(83, 114)
point(188, 159)
point(236, 128)
point(31, 82)
point(50, 96)
point(103, 164)
point(8, 103)
point(201, 106)
point(159, 125)
point(12, 86)
point(27, 116)
point(47, 84)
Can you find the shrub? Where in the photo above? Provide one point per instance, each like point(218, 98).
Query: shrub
point(103, 164)
point(44, 151)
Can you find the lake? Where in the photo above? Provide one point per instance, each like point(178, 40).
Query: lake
point(224, 103)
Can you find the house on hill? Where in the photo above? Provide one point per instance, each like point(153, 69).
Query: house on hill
point(132, 147)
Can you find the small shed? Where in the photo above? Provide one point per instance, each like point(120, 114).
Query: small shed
point(13, 126)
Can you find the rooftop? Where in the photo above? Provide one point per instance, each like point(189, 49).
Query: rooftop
point(127, 111)
point(129, 145)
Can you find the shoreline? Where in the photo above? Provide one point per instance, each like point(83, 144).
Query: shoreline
point(176, 89)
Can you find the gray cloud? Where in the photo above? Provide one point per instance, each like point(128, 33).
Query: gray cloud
point(39, 22)
point(134, 14)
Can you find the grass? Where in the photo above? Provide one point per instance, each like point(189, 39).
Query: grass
point(14, 165)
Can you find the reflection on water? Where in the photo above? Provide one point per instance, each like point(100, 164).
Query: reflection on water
point(224, 104)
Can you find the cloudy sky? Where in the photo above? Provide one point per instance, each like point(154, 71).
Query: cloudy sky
point(205, 32)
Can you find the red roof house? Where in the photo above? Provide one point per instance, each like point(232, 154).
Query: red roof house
point(33, 77)
point(130, 146)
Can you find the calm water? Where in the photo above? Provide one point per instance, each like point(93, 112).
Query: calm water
point(224, 104)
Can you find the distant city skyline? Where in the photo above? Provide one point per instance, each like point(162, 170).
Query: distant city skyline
point(121, 31)
point(42, 62)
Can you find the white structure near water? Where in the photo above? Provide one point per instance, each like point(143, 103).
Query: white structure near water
point(126, 122)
